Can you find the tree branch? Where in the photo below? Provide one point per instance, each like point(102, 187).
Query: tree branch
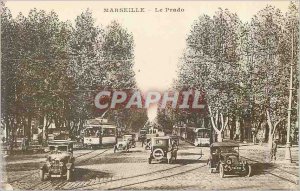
point(212, 120)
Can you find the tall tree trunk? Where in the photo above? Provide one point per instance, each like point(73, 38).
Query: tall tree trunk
point(218, 121)
point(238, 129)
point(29, 121)
point(272, 129)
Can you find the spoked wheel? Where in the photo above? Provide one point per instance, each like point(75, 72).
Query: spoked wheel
point(248, 170)
point(209, 167)
point(222, 171)
point(69, 175)
point(42, 175)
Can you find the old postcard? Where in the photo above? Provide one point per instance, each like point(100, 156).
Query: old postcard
point(149, 95)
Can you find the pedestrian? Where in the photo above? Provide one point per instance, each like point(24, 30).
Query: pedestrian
point(143, 140)
point(40, 138)
point(274, 149)
point(23, 144)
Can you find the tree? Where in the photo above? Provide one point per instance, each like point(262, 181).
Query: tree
point(271, 49)
point(211, 64)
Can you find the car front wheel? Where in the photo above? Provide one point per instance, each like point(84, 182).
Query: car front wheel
point(248, 170)
point(69, 174)
point(42, 175)
point(209, 167)
point(222, 171)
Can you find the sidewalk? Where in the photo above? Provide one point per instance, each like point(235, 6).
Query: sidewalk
point(261, 153)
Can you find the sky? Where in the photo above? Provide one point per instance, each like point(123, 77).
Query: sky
point(159, 37)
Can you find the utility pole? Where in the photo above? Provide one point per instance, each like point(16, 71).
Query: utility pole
point(288, 157)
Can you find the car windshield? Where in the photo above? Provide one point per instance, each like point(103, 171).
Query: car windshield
point(55, 149)
point(227, 149)
point(223, 149)
point(127, 137)
point(161, 142)
point(202, 133)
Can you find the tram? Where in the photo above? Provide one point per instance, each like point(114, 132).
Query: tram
point(198, 136)
point(98, 132)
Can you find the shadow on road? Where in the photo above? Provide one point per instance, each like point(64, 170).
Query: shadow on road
point(22, 166)
point(261, 168)
point(190, 161)
point(82, 174)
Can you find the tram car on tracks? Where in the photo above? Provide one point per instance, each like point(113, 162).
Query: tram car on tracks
point(98, 132)
point(198, 136)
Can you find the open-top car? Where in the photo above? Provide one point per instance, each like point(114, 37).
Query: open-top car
point(175, 139)
point(163, 148)
point(130, 138)
point(128, 141)
point(60, 161)
point(224, 158)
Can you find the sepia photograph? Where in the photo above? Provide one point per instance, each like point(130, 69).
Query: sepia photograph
point(149, 95)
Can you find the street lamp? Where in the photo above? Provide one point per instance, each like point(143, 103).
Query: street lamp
point(288, 157)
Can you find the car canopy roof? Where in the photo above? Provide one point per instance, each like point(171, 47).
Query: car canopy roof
point(162, 137)
point(60, 142)
point(225, 144)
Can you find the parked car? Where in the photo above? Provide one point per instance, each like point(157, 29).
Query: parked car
point(163, 148)
point(130, 138)
point(60, 161)
point(224, 158)
point(148, 140)
point(128, 141)
point(175, 138)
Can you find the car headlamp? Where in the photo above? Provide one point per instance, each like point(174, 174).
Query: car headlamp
point(228, 161)
point(48, 163)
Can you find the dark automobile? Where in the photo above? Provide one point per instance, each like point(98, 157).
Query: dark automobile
point(163, 148)
point(142, 134)
point(224, 158)
point(127, 143)
point(60, 161)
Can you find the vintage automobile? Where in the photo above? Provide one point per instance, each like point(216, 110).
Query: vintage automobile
point(60, 161)
point(175, 138)
point(224, 158)
point(127, 142)
point(163, 148)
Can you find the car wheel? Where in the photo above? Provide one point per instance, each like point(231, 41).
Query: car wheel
point(42, 175)
point(248, 170)
point(221, 171)
point(149, 160)
point(209, 167)
point(69, 175)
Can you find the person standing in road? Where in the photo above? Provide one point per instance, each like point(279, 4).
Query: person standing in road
point(274, 149)
point(143, 140)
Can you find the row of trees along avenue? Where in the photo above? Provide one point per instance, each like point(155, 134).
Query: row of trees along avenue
point(244, 70)
point(51, 70)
